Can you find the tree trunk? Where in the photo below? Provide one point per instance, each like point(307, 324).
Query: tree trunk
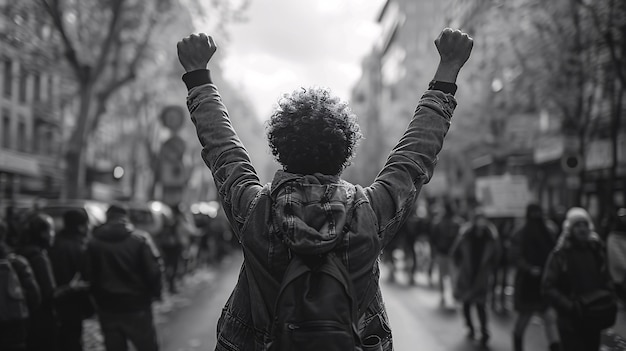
point(75, 170)
point(615, 128)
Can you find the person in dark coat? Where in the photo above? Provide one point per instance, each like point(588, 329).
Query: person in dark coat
point(67, 257)
point(14, 332)
point(475, 254)
point(531, 246)
point(616, 253)
point(36, 235)
point(125, 272)
point(444, 233)
point(576, 268)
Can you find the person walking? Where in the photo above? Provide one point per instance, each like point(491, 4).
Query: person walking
point(124, 271)
point(36, 235)
point(531, 246)
point(475, 254)
point(307, 210)
point(19, 295)
point(616, 253)
point(67, 256)
point(445, 231)
point(578, 285)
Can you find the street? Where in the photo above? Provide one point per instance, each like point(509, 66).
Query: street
point(187, 321)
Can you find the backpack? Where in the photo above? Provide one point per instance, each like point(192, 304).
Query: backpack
point(316, 307)
point(599, 306)
point(13, 306)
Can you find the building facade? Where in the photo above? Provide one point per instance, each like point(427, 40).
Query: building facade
point(31, 123)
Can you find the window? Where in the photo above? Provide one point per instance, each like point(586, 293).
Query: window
point(50, 87)
point(37, 87)
point(21, 136)
point(49, 140)
point(6, 129)
point(8, 78)
point(23, 79)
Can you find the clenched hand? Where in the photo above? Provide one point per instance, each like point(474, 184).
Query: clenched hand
point(454, 47)
point(195, 51)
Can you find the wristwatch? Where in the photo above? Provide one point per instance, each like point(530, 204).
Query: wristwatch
point(446, 87)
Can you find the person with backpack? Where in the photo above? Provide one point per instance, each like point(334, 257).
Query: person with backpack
point(36, 235)
point(531, 245)
point(124, 270)
point(577, 283)
point(19, 294)
point(445, 230)
point(311, 241)
point(67, 256)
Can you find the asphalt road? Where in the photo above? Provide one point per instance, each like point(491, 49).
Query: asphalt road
point(187, 321)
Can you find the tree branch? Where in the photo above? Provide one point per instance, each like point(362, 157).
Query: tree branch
point(112, 35)
point(55, 12)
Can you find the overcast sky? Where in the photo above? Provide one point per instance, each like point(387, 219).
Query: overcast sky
point(287, 44)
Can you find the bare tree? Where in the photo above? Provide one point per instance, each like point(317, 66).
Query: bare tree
point(105, 43)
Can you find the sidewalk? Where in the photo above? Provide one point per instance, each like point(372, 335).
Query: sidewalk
point(614, 339)
point(92, 336)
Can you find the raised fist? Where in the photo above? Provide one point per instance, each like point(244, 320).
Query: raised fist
point(195, 51)
point(454, 47)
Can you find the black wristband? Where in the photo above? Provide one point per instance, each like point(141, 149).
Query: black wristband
point(196, 78)
point(446, 87)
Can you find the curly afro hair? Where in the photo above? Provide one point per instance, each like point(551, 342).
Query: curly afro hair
point(312, 131)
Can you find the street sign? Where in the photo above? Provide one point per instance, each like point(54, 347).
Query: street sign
point(173, 170)
point(173, 173)
point(173, 148)
point(173, 117)
point(503, 196)
point(572, 163)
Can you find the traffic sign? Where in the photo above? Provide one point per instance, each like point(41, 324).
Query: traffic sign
point(173, 117)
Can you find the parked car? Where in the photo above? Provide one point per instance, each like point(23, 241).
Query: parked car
point(95, 210)
point(150, 216)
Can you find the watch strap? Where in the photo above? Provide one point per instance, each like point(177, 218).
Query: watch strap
point(446, 87)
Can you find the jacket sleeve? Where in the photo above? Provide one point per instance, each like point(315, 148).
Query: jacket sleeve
point(517, 251)
point(223, 152)
point(551, 283)
point(42, 270)
point(28, 282)
point(456, 253)
point(153, 267)
point(410, 163)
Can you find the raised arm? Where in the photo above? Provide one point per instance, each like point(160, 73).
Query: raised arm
point(412, 160)
point(223, 152)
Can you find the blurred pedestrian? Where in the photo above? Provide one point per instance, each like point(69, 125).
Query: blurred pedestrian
point(500, 283)
point(445, 231)
point(36, 235)
point(410, 231)
point(308, 209)
point(475, 253)
point(67, 257)
point(171, 245)
point(577, 283)
point(531, 246)
point(124, 270)
point(616, 253)
point(19, 295)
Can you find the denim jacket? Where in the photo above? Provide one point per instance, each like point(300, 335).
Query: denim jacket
point(311, 214)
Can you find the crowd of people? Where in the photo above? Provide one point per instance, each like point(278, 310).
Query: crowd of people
point(50, 282)
point(565, 273)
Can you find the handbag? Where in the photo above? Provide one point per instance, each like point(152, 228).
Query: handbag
point(599, 309)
